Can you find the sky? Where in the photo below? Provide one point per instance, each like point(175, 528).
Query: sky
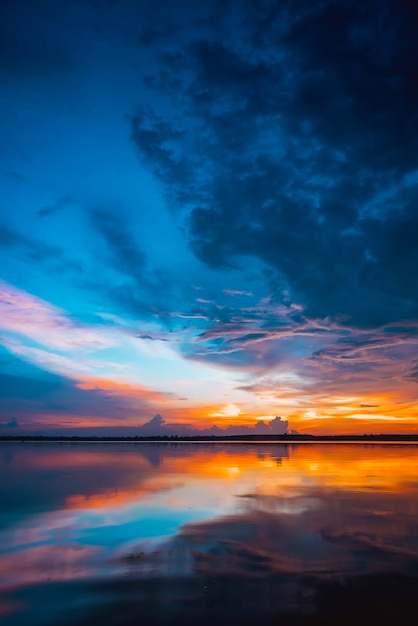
point(208, 216)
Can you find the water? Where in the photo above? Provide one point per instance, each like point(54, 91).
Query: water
point(196, 533)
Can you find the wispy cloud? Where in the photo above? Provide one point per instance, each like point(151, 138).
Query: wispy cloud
point(24, 314)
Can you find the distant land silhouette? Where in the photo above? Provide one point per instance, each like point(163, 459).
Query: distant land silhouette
point(300, 438)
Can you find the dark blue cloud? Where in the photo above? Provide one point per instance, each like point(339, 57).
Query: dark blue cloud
point(294, 140)
point(139, 287)
point(34, 252)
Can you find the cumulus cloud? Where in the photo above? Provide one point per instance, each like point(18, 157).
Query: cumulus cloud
point(13, 423)
point(157, 426)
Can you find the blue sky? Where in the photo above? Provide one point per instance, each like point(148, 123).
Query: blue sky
point(208, 213)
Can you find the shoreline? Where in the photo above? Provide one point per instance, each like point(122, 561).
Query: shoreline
point(384, 438)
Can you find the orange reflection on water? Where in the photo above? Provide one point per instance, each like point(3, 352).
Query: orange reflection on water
point(235, 469)
point(388, 467)
point(96, 476)
point(119, 497)
point(77, 511)
point(391, 466)
point(176, 468)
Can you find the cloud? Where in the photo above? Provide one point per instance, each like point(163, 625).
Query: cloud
point(54, 403)
point(47, 337)
point(32, 249)
point(154, 425)
point(24, 314)
point(155, 337)
point(57, 205)
point(12, 423)
point(157, 426)
point(135, 284)
point(237, 292)
point(7, 237)
point(292, 140)
point(124, 250)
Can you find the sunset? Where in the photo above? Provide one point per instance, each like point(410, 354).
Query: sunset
point(208, 312)
point(208, 206)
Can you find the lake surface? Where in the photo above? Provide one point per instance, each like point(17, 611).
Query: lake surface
point(197, 533)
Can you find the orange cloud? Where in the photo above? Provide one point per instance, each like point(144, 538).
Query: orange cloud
point(124, 389)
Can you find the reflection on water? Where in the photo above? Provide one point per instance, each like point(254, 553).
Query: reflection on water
point(191, 533)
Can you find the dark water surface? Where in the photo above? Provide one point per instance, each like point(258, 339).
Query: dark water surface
point(196, 533)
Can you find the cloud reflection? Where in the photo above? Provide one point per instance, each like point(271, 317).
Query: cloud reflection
point(278, 525)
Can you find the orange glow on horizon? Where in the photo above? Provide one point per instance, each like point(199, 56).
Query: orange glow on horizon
point(387, 412)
